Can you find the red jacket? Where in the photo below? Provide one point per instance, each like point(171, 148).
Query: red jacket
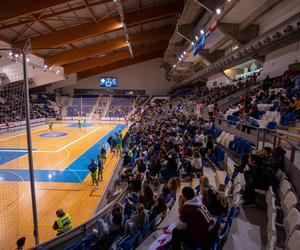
point(197, 221)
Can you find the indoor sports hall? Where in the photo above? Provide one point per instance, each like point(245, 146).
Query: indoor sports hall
point(150, 124)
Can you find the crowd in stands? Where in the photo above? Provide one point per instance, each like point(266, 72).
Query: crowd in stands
point(81, 105)
point(207, 95)
point(12, 104)
point(44, 106)
point(277, 102)
point(168, 145)
point(119, 107)
point(165, 146)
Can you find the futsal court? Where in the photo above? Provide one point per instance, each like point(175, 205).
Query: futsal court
point(62, 179)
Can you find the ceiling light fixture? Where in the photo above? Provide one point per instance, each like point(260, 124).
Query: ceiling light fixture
point(218, 11)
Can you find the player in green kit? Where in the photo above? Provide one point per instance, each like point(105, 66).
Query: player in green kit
point(103, 154)
point(93, 170)
point(100, 168)
point(50, 126)
point(79, 125)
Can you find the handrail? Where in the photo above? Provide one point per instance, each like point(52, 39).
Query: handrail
point(82, 230)
point(273, 133)
point(68, 237)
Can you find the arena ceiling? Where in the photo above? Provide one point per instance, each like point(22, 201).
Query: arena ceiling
point(87, 36)
point(235, 26)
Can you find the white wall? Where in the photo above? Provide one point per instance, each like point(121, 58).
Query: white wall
point(277, 62)
point(145, 76)
point(219, 78)
point(281, 12)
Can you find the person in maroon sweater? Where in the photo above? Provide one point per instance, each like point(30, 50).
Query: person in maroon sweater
point(195, 225)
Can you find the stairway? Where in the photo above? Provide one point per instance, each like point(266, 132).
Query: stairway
point(105, 110)
point(64, 110)
point(93, 114)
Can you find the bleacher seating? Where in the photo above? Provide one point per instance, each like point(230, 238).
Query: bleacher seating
point(81, 105)
point(13, 104)
point(119, 107)
point(268, 109)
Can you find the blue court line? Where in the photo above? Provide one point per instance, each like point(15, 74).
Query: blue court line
point(83, 125)
point(7, 156)
point(76, 172)
point(20, 128)
point(4, 149)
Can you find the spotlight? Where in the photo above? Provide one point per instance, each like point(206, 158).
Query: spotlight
point(184, 53)
point(174, 65)
point(27, 59)
point(10, 53)
point(45, 67)
point(16, 55)
point(180, 58)
point(218, 11)
point(57, 72)
point(202, 32)
point(197, 38)
point(192, 43)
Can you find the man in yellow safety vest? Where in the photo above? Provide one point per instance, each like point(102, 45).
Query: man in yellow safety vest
point(63, 223)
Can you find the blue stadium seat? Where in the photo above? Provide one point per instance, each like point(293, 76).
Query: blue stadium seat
point(231, 214)
point(286, 118)
point(219, 243)
point(75, 246)
point(274, 107)
point(258, 114)
point(220, 155)
point(271, 126)
point(87, 240)
point(233, 119)
point(145, 230)
point(129, 242)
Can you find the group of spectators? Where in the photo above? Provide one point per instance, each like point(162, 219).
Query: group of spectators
point(282, 92)
point(165, 146)
point(260, 170)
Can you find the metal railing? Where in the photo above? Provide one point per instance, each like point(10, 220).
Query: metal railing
point(78, 233)
point(103, 209)
point(261, 137)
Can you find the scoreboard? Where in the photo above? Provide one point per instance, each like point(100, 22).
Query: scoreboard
point(108, 82)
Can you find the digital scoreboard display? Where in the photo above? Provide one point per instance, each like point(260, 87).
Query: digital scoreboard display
point(108, 82)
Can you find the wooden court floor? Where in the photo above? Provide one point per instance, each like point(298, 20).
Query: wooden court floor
point(60, 160)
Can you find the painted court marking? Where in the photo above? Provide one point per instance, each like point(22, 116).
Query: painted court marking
point(18, 135)
point(76, 172)
point(69, 144)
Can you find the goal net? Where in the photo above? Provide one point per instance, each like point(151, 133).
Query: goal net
point(12, 147)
